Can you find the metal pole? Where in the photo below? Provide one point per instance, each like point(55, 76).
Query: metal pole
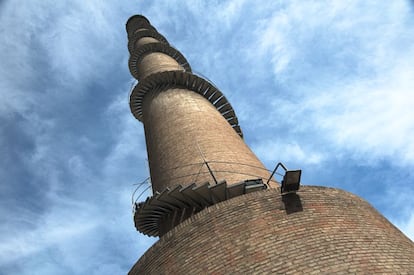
point(274, 171)
point(206, 163)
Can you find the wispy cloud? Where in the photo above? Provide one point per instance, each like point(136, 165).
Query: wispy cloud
point(273, 150)
point(408, 227)
point(341, 91)
point(341, 76)
point(65, 193)
point(56, 228)
point(326, 87)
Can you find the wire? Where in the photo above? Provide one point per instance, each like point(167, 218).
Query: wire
point(136, 189)
point(182, 166)
point(245, 164)
point(219, 171)
point(205, 78)
point(199, 170)
point(142, 193)
point(218, 161)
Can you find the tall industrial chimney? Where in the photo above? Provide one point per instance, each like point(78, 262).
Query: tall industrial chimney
point(216, 208)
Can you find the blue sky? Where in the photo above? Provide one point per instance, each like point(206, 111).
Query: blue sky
point(325, 86)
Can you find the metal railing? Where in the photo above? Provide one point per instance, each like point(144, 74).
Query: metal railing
point(145, 185)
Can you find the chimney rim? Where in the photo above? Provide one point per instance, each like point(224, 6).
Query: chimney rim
point(135, 19)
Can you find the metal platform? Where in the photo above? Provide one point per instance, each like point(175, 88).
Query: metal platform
point(160, 213)
point(178, 79)
point(150, 32)
point(145, 49)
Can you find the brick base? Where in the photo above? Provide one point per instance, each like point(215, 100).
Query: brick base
point(319, 230)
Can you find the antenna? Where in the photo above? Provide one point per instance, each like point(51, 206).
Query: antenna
point(206, 163)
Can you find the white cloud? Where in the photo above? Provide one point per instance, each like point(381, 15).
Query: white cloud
point(273, 150)
point(372, 118)
point(57, 228)
point(345, 68)
point(229, 11)
point(400, 207)
point(130, 136)
point(408, 227)
point(347, 73)
point(74, 37)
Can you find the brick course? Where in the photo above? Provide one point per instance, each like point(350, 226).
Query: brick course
point(176, 121)
point(323, 230)
point(319, 230)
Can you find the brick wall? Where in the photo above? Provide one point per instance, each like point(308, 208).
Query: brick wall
point(176, 121)
point(322, 230)
point(145, 40)
point(157, 62)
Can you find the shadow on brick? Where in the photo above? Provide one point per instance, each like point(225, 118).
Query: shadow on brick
point(292, 203)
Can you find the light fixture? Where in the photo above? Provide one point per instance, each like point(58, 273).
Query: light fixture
point(290, 181)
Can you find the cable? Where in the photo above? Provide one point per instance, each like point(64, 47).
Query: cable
point(142, 193)
point(199, 170)
point(219, 171)
point(245, 164)
point(136, 189)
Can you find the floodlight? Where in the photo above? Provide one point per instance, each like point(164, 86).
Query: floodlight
point(291, 179)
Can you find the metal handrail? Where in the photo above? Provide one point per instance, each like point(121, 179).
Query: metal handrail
point(148, 179)
point(139, 185)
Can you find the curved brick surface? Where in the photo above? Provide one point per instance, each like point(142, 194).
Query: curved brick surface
point(323, 230)
point(157, 62)
point(319, 230)
point(145, 40)
point(136, 22)
point(176, 121)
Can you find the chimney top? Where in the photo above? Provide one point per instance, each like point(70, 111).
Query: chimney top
point(136, 21)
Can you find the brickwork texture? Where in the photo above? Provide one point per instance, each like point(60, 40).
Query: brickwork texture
point(317, 230)
point(183, 130)
point(182, 127)
point(321, 230)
